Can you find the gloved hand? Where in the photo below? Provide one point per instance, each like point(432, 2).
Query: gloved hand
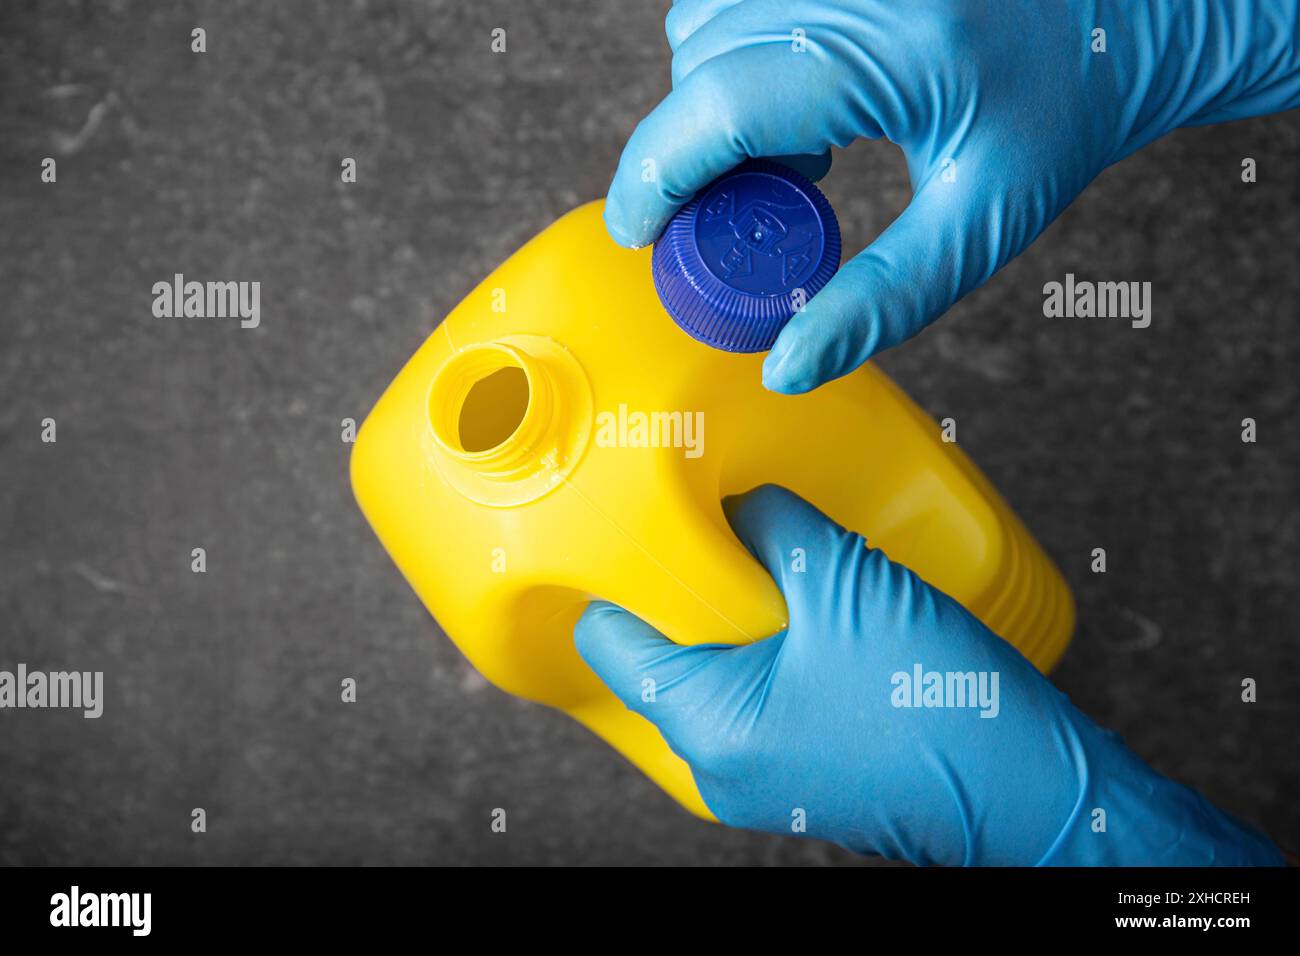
point(825, 724)
point(1003, 111)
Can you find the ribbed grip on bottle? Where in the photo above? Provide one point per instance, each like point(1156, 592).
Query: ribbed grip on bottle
point(747, 253)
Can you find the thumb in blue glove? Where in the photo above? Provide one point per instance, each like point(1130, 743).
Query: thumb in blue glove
point(1005, 112)
point(887, 719)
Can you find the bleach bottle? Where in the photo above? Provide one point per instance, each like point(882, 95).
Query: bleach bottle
point(576, 443)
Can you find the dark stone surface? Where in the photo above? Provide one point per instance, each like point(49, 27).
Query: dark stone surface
point(223, 688)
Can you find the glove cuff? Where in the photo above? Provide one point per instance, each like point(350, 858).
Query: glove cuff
point(1129, 815)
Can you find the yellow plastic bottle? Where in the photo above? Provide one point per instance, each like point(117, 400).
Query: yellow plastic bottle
point(505, 472)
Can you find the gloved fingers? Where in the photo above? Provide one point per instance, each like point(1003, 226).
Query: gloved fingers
point(836, 586)
point(833, 69)
point(935, 252)
point(733, 27)
point(687, 16)
point(810, 557)
point(637, 662)
point(733, 108)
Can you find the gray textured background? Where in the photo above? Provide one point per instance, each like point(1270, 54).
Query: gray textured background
point(222, 689)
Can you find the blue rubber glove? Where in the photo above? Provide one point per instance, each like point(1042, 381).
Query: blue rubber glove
point(1003, 111)
point(809, 726)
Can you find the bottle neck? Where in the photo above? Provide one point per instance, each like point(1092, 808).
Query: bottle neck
point(509, 419)
point(493, 410)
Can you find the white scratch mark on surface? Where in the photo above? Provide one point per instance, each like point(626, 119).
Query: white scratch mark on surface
point(98, 580)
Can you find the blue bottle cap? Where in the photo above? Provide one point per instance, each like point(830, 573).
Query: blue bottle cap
point(738, 260)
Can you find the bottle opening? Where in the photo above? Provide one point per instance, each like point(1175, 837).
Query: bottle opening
point(493, 409)
point(509, 418)
point(490, 407)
